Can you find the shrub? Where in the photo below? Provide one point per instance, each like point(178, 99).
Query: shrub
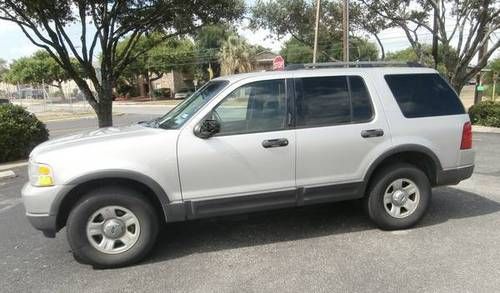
point(486, 113)
point(162, 93)
point(20, 132)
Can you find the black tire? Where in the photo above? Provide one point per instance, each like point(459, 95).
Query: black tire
point(132, 200)
point(374, 202)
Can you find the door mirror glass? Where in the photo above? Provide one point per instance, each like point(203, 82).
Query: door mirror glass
point(207, 128)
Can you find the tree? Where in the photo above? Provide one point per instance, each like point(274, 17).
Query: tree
point(208, 42)
point(40, 68)
point(427, 58)
point(296, 52)
point(3, 69)
point(297, 18)
point(463, 28)
point(236, 56)
point(159, 57)
point(104, 24)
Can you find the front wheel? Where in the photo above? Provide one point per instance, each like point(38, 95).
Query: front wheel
point(398, 196)
point(112, 227)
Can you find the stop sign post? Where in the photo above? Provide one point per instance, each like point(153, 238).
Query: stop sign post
point(278, 63)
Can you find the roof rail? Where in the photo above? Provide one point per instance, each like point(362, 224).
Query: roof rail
point(362, 64)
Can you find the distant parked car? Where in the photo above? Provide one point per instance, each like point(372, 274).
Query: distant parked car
point(183, 93)
point(4, 101)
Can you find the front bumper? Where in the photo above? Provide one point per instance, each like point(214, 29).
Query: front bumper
point(39, 203)
point(45, 223)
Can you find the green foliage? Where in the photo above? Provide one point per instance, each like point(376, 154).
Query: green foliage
point(493, 66)
point(103, 24)
point(38, 68)
point(156, 56)
point(20, 132)
point(208, 41)
point(295, 52)
point(486, 113)
point(409, 55)
point(236, 55)
point(297, 18)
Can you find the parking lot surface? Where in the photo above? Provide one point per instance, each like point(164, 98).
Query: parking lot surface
point(326, 248)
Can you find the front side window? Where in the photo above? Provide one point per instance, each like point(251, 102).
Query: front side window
point(187, 108)
point(254, 107)
point(332, 100)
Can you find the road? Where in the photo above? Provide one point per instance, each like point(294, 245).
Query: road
point(323, 248)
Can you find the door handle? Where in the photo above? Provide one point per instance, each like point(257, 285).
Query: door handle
point(372, 133)
point(274, 143)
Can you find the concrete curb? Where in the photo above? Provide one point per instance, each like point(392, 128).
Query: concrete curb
point(7, 174)
point(485, 129)
point(8, 166)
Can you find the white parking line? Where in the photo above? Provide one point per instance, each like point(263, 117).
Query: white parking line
point(7, 204)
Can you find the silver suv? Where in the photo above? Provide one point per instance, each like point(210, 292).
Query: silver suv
point(252, 142)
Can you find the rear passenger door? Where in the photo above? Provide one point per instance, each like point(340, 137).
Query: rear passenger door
point(339, 131)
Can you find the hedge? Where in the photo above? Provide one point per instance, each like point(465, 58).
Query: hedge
point(20, 132)
point(486, 113)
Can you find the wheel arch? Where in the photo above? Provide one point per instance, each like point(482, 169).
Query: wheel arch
point(65, 201)
point(417, 155)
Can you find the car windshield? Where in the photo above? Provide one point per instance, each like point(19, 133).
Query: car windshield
point(187, 108)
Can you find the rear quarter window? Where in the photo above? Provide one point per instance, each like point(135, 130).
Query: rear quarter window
point(424, 95)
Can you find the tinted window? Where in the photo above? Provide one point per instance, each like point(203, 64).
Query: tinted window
point(254, 107)
point(332, 100)
point(424, 95)
point(360, 99)
point(323, 101)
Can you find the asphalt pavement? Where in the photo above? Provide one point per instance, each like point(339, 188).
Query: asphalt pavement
point(326, 248)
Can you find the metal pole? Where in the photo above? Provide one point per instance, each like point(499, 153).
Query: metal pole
point(316, 28)
point(345, 26)
point(493, 94)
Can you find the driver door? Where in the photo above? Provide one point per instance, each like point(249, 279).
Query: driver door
point(253, 153)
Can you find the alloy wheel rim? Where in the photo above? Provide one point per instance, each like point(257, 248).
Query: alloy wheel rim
point(401, 198)
point(113, 229)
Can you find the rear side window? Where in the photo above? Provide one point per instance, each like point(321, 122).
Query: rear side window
point(424, 95)
point(332, 100)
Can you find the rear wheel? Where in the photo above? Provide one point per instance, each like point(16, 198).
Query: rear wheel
point(112, 227)
point(398, 196)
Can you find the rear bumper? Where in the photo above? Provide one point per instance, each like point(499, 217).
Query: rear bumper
point(454, 176)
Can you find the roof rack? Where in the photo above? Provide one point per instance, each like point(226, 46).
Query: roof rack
point(362, 64)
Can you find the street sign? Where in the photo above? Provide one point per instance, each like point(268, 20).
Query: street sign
point(480, 88)
point(278, 63)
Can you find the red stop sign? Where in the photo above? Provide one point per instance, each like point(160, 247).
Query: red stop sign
point(278, 63)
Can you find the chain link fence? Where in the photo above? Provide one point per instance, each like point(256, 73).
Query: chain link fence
point(45, 100)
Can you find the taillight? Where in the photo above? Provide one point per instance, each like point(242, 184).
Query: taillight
point(466, 137)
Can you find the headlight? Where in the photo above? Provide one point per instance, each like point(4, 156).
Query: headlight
point(40, 174)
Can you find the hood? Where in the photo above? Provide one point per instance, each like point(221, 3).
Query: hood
point(93, 136)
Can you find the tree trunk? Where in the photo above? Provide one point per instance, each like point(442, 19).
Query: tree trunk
point(59, 85)
point(458, 84)
point(382, 49)
point(105, 105)
point(105, 114)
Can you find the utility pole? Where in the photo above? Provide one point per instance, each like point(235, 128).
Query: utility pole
point(478, 95)
point(316, 28)
point(345, 26)
point(435, 37)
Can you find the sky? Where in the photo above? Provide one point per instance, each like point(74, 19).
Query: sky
point(14, 44)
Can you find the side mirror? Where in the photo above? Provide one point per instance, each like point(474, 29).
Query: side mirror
point(207, 128)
